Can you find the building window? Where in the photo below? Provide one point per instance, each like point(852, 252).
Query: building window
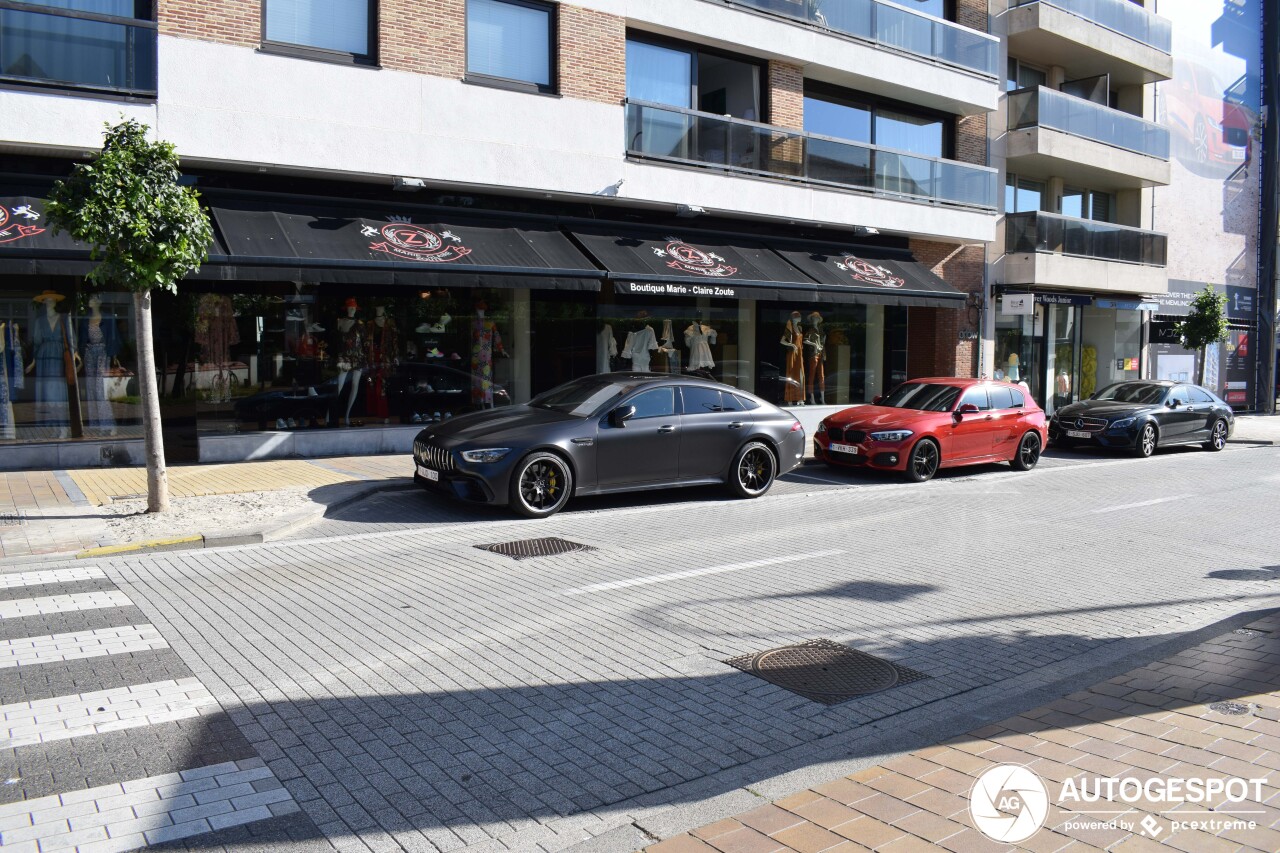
point(1022, 76)
point(1088, 204)
point(843, 114)
point(342, 30)
point(107, 46)
point(1022, 196)
point(679, 75)
point(511, 42)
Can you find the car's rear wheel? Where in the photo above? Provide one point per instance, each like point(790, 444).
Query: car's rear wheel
point(1217, 436)
point(1028, 453)
point(924, 460)
point(754, 470)
point(1148, 438)
point(540, 485)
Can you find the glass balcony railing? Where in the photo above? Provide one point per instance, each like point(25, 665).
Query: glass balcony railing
point(1047, 108)
point(684, 136)
point(68, 48)
point(1065, 235)
point(893, 26)
point(1122, 16)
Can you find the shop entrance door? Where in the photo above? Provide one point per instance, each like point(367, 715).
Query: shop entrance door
point(1062, 356)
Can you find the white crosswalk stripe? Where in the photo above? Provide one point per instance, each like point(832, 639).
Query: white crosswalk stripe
point(80, 644)
point(20, 607)
point(13, 580)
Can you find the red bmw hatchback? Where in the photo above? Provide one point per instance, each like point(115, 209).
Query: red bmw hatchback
point(927, 424)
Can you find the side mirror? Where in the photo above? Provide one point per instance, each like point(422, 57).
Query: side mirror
point(877, 399)
point(966, 409)
point(619, 416)
point(1173, 404)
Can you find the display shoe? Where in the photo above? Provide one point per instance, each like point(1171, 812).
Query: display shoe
point(280, 424)
point(439, 327)
point(315, 327)
point(423, 328)
point(435, 416)
point(311, 392)
point(434, 353)
point(448, 415)
point(455, 357)
point(292, 423)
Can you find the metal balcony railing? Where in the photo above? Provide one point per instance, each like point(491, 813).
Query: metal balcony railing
point(896, 27)
point(1049, 108)
point(69, 48)
point(1124, 17)
point(1051, 233)
point(679, 135)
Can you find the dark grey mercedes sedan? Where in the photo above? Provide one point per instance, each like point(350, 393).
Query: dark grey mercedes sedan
point(612, 432)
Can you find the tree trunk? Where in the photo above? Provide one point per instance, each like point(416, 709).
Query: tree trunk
point(157, 479)
point(1204, 354)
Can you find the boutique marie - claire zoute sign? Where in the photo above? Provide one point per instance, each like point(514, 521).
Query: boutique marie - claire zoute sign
point(400, 238)
point(662, 289)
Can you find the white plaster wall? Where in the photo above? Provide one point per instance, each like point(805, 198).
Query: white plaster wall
point(1075, 273)
point(1044, 34)
point(828, 57)
point(61, 124)
point(1077, 159)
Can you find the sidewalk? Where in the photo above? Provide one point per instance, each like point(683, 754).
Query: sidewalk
point(1154, 722)
point(59, 512)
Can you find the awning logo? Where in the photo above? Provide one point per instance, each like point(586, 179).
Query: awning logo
point(869, 273)
point(405, 240)
point(1008, 803)
point(10, 231)
point(691, 259)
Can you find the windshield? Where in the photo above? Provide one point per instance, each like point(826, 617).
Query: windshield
point(924, 397)
point(580, 397)
point(1133, 392)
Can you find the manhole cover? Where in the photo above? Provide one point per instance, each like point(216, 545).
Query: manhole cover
point(1235, 709)
point(1245, 632)
point(524, 549)
point(9, 519)
point(825, 671)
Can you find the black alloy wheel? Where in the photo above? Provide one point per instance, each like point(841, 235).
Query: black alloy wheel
point(1028, 453)
point(754, 470)
point(1147, 440)
point(540, 485)
point(1217, 436)
point(923, 462)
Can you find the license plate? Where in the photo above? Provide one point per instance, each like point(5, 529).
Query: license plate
point(844, 448)
point(1075, 433)
point(433, 476)
point(1237, 153)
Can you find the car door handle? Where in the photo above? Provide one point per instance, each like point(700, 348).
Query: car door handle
point(666, 428)
point(737, 425)
point(989, 418)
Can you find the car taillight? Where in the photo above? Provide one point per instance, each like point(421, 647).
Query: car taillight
point(797, 427)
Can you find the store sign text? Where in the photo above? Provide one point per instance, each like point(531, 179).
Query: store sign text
point(680, 289)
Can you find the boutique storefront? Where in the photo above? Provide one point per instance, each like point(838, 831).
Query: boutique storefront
point(340, 327)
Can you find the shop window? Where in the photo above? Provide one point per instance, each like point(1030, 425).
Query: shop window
point(512, 43)
point(338, 30)
point(98, 45)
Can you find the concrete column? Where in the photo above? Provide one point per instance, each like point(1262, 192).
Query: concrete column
point(521, 350)
point(1052, 201)
point(1057, 76)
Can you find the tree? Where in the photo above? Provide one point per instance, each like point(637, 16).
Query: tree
point(1205, 325)
point(145, 231)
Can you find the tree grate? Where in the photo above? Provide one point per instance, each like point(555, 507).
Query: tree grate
point(825, 671)
point(1234, 709)
point(526, 549)
point(12, 519)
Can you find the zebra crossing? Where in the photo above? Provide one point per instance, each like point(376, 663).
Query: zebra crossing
point(108, 742)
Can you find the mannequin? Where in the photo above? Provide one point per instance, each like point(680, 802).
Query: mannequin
point(793, 344)
point(485, 342)
point(53, 340)
point(606, 348)
point(351, 360)
point(1061, 389)
point(98, 336)
point(216, 333)
point(815, 357)
point(10, 377)
point(383, 351)
point(640, 343)
point(1011, 369)
point(698, 337)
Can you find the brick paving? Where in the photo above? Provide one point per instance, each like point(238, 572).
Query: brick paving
point(1153, 722)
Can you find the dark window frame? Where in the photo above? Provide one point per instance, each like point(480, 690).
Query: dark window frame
point(854, 98)
point(695, 48)
point(144, 17)
point(553, 52)
point(321, 54)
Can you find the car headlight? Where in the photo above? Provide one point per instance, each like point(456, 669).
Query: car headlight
point(1122, 423)
point(489, 454)
point(892, 435)
point(822, 427)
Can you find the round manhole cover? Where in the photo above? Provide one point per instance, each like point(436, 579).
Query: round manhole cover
point(1235, 709)
point(1245, 632)
point(826, 669)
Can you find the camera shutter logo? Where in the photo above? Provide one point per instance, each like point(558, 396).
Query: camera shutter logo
point(1008, 803)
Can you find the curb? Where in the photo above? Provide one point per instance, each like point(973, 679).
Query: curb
point(278, 530)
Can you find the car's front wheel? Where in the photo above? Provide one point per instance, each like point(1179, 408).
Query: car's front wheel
point(1217, 436)
point(754, 470)
point(924, 460)
point(1146, 443)
point(1028, 453)
point(540, 485)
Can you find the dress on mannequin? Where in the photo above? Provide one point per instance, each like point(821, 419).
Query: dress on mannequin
point(383, 352)
point(485, 341)
point(793, 349)
point(815, 355)
point(606, 348)
point(350, 360)
point(640, 345)
point(52, 337)
point(98, 335)
point(698, 337)
point(8, 376)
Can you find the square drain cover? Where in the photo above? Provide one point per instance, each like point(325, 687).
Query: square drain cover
point(825, 671)
point(524, 549)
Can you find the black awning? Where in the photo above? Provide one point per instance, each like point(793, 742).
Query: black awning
point(396, 246)
point(871, 276)
point(28, 244)
point(690, 259)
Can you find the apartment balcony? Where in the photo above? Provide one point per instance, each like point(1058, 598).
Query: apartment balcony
point(1054, 134)
point(1048, 250)
point(685, 137)
point(1092, 37)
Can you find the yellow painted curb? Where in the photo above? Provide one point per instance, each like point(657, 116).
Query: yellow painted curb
point(109, 550)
